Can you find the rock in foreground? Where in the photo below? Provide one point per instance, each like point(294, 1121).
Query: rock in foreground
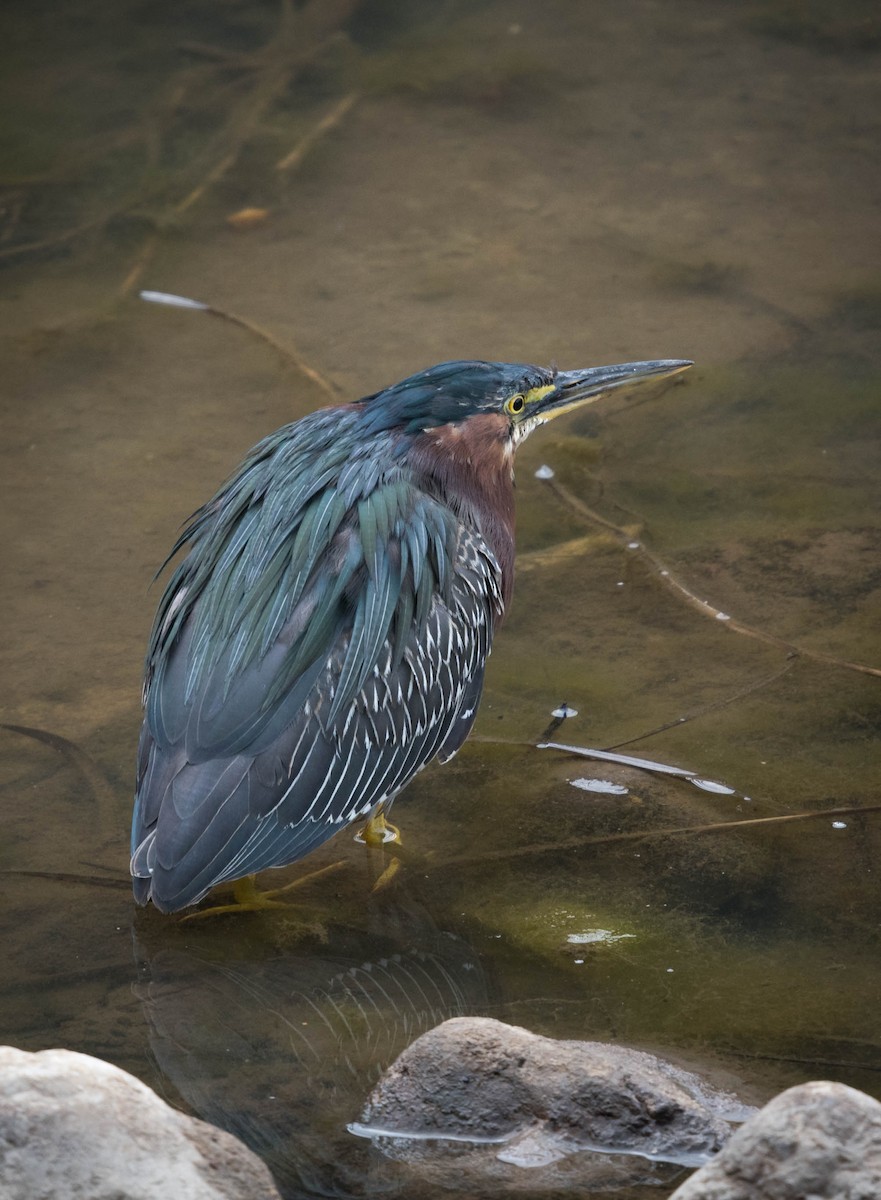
point(75, 1128)
point(523, 1100)
point(821, 1140)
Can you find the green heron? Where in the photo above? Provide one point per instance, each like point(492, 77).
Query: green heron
point(327, 632)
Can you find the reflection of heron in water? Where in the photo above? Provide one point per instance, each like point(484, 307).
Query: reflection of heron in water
point(282, 1051)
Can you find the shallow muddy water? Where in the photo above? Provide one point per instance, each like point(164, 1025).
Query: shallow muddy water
point(575, 183)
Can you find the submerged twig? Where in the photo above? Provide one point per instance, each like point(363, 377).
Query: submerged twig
point(57, 239)
point(641, 834)
point(215, 54)
point(648, 834)
point(79, 760)
point(747, 690)
point(136, 270)
point(807, 1062)
point(287, 352)
point(626, 760)
point(301, 36)
point(329, 121)
point(99, 785)
point(684, 593)
point(117, 882)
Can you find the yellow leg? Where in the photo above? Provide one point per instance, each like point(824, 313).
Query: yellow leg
point(295, 883)
point(249, 898)
point(378, 831)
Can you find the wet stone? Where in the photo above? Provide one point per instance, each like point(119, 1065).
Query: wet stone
point(75, 1128)
point(821, 1140)
point(477, 1099)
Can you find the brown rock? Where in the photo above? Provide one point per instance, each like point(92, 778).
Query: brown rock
point(534, 1101)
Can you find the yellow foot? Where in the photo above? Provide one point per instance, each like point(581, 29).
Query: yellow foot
point(378, 831)
point(386, 877)
point(249, 898)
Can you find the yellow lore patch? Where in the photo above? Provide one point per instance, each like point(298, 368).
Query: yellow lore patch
point(538, 393)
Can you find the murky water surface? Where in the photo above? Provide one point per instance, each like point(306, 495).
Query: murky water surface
point(579, 183)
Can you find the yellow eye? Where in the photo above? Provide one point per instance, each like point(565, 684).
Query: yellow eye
point(515, 404)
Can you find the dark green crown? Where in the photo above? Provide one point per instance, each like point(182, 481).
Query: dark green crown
point(448, 392)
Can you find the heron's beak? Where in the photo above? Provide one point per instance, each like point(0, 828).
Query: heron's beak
point(573, 388)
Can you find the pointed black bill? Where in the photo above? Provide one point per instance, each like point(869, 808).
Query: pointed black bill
point(573, 388)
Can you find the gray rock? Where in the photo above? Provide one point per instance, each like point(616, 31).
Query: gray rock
point(818, 1140)
point(75, 1128)
point(533, 1101)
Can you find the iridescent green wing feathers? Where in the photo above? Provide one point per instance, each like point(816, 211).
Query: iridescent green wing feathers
point(276, 576)
point(323, 639)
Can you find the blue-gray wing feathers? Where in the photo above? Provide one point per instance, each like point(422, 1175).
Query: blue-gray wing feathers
point(305, 664)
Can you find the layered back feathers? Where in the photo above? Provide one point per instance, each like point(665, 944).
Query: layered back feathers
point(306, 531)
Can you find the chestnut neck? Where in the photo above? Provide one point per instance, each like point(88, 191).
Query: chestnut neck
point(470, 467)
